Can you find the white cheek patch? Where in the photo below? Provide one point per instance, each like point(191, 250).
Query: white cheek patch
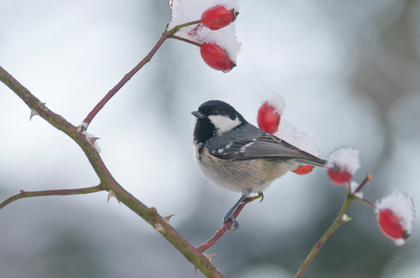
point(223, 123)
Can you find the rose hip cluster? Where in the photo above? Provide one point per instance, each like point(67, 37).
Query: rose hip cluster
point(395, 213)
point(217, 43)
point(215, 56)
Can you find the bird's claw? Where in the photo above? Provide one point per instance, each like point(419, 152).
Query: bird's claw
point(261, 195)
point(235, 223)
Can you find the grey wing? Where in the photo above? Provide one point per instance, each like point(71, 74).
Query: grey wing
point(265, 146)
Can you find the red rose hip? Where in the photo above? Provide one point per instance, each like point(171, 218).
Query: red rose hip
point(218, 17)
point(216, 57)
point(303, 170)
point(390, 224)
point(268, 119)
point(339, 175)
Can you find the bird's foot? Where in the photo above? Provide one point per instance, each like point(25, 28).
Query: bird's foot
point(235, 223)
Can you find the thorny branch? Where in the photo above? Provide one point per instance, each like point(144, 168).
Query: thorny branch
point(107, 182)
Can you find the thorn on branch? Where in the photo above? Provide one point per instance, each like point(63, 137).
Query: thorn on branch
point(42, 106)
point(167, 218)
point(159, 228)
point(33, 113)
point(112, 194)
point(210, 256)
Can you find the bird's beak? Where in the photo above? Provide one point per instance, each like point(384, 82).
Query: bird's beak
point(197, 114)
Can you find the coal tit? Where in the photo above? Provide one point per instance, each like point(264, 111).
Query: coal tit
point(238, 156)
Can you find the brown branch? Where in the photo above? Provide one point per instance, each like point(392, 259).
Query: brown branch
point(209, 243)
point(107, 182)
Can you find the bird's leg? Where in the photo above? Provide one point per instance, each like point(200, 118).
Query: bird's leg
point(229, 215)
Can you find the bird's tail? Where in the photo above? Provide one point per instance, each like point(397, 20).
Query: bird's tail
point(314, 161)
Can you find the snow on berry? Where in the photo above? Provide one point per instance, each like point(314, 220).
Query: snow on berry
point(218, 17)
point(184, 11)
point(344, 157)
point(216, 57)
point(277, 101)
point(395, 215)
point(342, 164)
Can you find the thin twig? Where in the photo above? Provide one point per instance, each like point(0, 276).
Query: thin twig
point(123, 81)
point(363, 183)
point(165, 35)
point(58, 192)
point(341, 219)
point(334, 226)
point(187, 40)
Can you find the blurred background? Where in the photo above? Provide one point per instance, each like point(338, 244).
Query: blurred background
point(348, 70)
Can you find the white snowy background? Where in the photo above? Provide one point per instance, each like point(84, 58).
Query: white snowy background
point(348, 70)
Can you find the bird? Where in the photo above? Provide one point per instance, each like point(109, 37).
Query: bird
point(240, 157)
